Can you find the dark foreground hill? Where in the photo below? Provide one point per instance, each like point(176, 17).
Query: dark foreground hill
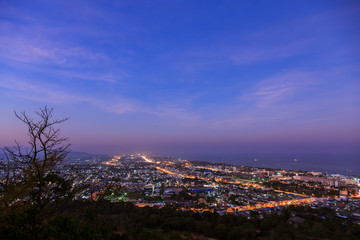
point(105, 220)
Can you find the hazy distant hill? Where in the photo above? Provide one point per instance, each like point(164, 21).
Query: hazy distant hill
point(85, 154)
point(76, 156)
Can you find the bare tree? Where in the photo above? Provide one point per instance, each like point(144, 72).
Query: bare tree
point(28, 170)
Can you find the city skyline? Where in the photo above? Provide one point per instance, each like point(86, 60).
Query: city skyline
point(191, 77)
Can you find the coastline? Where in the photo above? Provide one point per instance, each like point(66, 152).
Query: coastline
point(344, 164)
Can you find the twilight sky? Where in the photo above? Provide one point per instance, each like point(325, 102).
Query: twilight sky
point(193, 76)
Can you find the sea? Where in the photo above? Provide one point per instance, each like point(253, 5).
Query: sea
point(331, 163)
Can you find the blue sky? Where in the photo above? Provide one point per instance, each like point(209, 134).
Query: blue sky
point(185, 76)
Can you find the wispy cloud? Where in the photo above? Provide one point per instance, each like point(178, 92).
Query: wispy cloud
point(191, 61)
point(46, 52)
point(301, 37)
point(42, 50)
point(40, 92)
point(50, 93)
point(280, 87)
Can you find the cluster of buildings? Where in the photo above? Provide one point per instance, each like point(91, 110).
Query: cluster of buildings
point(148, 180)
point(329, 181)
point(215, 187)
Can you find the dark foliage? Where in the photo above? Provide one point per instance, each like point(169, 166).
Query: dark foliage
point(106, 220)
